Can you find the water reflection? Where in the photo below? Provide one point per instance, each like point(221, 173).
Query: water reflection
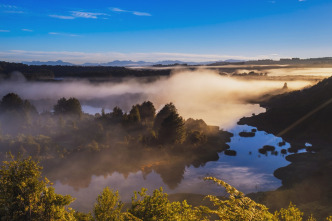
point(77, 170)
point(85, 175)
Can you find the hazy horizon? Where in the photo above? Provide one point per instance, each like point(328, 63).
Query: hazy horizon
point(101, 31)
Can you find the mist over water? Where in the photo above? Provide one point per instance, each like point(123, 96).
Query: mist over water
point(253, 172)
point(200, 94)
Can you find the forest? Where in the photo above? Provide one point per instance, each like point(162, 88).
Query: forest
point(68, 130)
point(49, 72)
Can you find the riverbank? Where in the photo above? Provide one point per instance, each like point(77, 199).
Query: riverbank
point(301, 117)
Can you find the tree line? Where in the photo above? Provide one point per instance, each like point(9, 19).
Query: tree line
point(49, 72)
point(67, 129)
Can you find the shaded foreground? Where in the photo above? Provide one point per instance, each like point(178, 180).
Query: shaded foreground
point(25, 195)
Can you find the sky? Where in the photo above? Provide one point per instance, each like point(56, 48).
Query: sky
point(154, 30)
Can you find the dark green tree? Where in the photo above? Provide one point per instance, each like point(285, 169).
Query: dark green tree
point(117, 115)
point(147, 111)
point(134, 115)
point(11, 102)
point(172, 130)
point(16, 114)
point(162, 114)
point(72, 106)
point(14, 103)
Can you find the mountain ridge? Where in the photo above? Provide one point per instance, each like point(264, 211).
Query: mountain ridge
point(123, 63)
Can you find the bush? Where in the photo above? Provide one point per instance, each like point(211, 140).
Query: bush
point(24, 195)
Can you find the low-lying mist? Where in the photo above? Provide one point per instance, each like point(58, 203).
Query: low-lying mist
point(204, 94)
point(289, 71)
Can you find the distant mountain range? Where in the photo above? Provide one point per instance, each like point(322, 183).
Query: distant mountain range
point(127, 63)
point(53, 63)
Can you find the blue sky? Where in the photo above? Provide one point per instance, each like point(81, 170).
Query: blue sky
point(152, 30)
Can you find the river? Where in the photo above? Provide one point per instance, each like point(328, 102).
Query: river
point(249, 171)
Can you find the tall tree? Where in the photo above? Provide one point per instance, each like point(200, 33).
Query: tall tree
point(72, 106)
point(117, 115)
point(14, 103)
point(162, 114)
point(147, 111)
point(172, 129)
point(134, 114)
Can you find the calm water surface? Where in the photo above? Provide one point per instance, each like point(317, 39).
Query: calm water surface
point(248, 171)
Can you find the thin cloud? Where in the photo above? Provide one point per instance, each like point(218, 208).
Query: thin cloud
point(117, 10)
point(11, 9)
point(141, 14)
point(8, 6)
point(63, 34)
point(27, 30)
point(302, 0)
point(14, 12)
point(4, 31)
point(62, 16)
point(80, 14)
point(131, 12)
point(54, 33)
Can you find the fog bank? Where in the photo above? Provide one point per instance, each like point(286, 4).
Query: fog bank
point(219, 100)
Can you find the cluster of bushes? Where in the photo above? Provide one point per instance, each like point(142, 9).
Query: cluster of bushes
point(25, 195)
point(67, 129)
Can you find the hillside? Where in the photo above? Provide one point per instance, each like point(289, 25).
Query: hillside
point(301, 117)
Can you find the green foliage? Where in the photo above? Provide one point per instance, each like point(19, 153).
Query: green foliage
point(134, 115)
point(162, 114)
point(72, 106)
point(196, 125)
point(117, 115)
point(16, 113)
point(147, 111)
point(237, 206)
point(83, 216)
point(12, 102)
point(290, 214)
point(172, 129)
point(37, 72)
point(54, 205)
point(108, 206)
point(150, 138)
point(196, 137)
point(20, 189)
point(25, 196)
point(158, 207)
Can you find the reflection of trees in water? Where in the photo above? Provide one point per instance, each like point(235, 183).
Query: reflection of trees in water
point(77, 169)
point(171, 173)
